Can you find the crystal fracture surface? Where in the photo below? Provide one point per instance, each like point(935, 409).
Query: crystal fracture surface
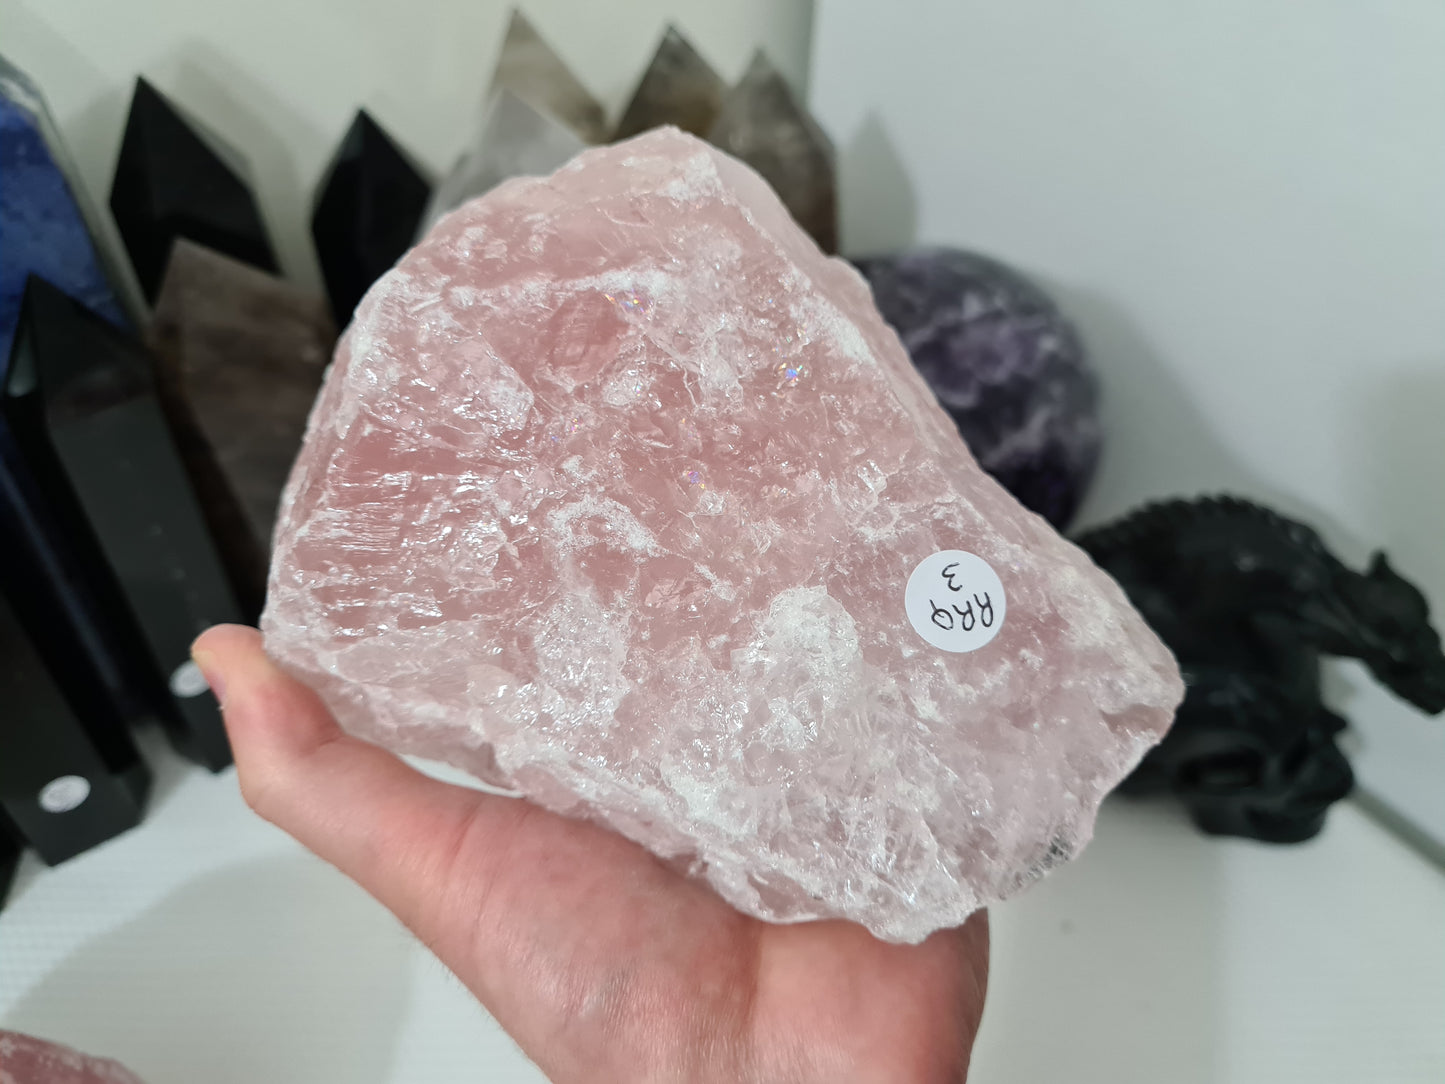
point(613, 494)
point(25, 1059)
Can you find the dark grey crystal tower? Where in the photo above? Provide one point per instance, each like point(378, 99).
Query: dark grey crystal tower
point(240, 355)
point(515, 139)
point(679, 87)
point(762, 122)
point(87, 397)
point(532, 70)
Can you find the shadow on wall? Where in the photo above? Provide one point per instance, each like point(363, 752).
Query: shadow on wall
point(1396, 420)
point(262, 128)
point(276, 993)
point(877, 200)
point(1157, 443)
point(1393, 422)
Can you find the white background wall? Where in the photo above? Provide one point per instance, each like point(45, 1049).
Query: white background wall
point(281, 79)
point(1242, 204)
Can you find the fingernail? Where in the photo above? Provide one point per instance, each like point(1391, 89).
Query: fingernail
point(207, 662)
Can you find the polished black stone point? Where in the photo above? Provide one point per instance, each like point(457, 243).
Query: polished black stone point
point(90, 397)
point(367, 208)
point(54, 572)
point(172, 180)
point(10, 850)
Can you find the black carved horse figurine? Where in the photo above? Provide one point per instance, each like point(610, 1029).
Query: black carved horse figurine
point(1248, 601)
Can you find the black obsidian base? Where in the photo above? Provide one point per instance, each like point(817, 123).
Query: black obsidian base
point(81, 400)
point(10, 850)
point(66, 784)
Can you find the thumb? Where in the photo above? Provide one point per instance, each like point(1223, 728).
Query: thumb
point(393, 830)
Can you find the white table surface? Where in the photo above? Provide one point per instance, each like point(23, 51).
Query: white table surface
point(207, 946)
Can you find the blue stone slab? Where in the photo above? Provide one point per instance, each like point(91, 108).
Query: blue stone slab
point(43, 227)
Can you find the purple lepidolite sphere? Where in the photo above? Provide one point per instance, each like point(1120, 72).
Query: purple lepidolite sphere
point(1006, 365)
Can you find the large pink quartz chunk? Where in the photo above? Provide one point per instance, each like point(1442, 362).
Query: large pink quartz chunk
point(25, 1059)
point(612, 496)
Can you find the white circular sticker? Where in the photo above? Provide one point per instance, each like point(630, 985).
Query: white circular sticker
point(187, 680)
point(955, 601)
point(64, 793)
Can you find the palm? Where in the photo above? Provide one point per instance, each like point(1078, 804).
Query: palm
point(600, 961)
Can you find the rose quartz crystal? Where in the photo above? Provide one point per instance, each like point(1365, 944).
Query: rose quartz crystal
point(25, 1059)
point(611, 496)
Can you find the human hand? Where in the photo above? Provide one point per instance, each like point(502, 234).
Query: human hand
point(602, 963)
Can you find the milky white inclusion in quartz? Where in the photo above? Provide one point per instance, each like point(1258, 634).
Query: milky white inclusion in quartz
point(611, 496)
